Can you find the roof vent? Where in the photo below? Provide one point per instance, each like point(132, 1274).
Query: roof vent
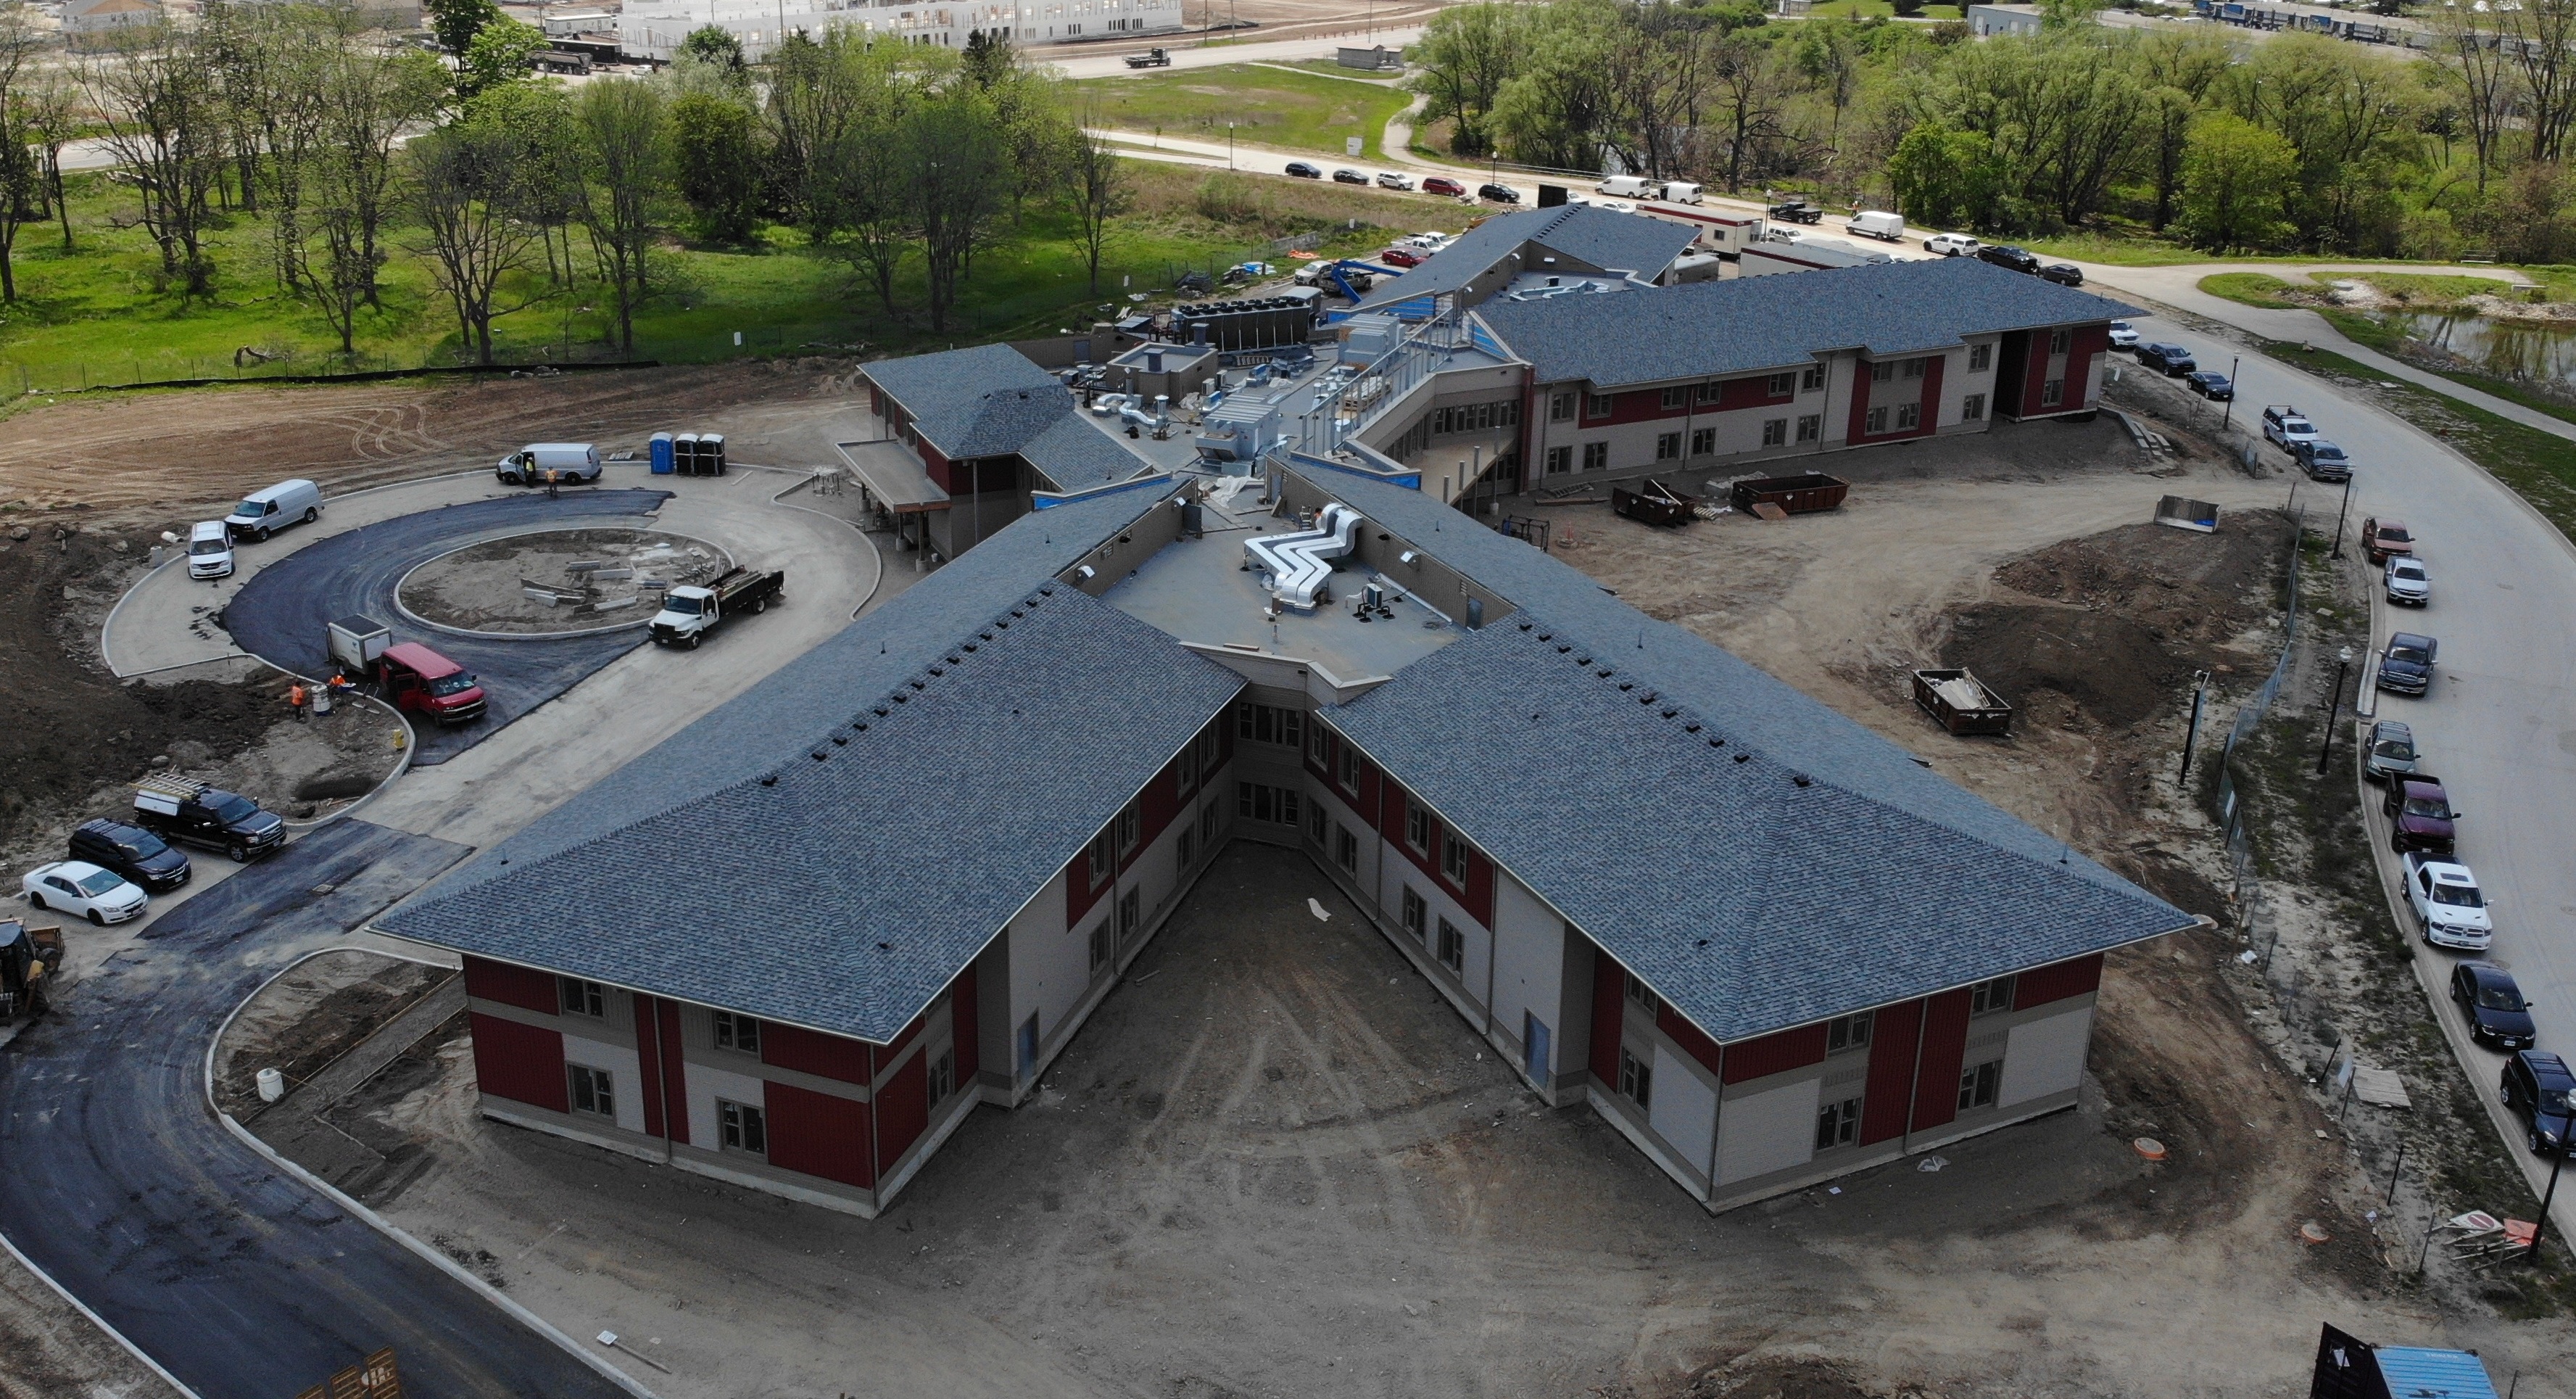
point(770, 781)
point(986, 635)
point(1624, 684)
point(935, 670)
point(969, 646)
point(1561, 650)
point(840, 740)
point(1671, 712)
point(820, 754)
point(1801, 779)
point(1690, 728)
point(1525, 626)
point(1046, 591)
point(885, 947)
point(1740, 757)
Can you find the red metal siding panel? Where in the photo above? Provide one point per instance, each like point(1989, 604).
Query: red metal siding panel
point(675, 1073)
point(2035, 375)
point(524, 987)
point(2089, 344)
point(934, 464)
point(523, 1063)
point(1693, 1043)
point(1478, 896)
point(817, 1134)
point(1930, 419)
point(1945, 1047)
point(1749, 393)
point(1155, 807)
point(1771, 1054)
point(1855, 430)
point(903, 1110)
point(813, 1052)
point(1609, 984)
point(961, 1025)
point(2057, 981)
point(648, 1052)
point(1891, 1071)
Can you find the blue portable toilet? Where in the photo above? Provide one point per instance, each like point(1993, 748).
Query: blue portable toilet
point(662, 454)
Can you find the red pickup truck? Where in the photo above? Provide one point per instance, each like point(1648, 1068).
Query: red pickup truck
point(2383, 539)
point(413, 677)
point(2419, 815)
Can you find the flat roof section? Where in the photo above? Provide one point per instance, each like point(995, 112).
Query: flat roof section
point(895, 475)
point(1198, 592)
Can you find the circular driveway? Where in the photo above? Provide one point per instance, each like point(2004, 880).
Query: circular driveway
point(280, 615)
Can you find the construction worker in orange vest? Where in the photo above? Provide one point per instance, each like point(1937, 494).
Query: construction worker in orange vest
point(295, 699)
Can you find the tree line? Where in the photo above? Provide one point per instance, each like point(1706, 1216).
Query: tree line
point(514, 189)
point(2222, 138)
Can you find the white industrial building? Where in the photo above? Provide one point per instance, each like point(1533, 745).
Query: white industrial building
point(653, 28)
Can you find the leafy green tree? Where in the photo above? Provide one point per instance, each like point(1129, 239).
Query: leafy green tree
point(1095, 190)
point(1946, 179)
point(988, 59)
point(455, 22)
point(715, 46)
point(716, 159)
point(1465, 55)
point(622, 135)
point(504, 51)
point(2234, 174)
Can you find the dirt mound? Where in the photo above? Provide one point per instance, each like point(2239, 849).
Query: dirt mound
point(2125, 616)
point(480, 587)
point(1778, 1377)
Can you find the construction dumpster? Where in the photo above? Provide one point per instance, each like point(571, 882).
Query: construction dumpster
point(1961, 702)
point(1655, 504)
point(1793, 495)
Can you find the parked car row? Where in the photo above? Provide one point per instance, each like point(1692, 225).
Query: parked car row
point(112, 868)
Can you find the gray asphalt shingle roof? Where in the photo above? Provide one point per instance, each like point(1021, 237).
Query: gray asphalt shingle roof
point(1876, 881)
point(1602, 238)
point(993, 401)
point(1707, 329)
point(928, 830)
point(1076, 456)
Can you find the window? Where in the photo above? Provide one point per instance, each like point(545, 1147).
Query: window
point(1811, 427)
point(1849, 1032)
point(593, 1091)
point(740, 1032)
point(1453, 946)
point(1781, 385)
point(1131, 916)
point(1972, 408)
point(1668, 446)
point(1318, 824)
point(1908, 416)
point(1914, 368)
point(1268, 723)
point(583, 997)
point(1475, 417)
point(1838, 1124)
point(1636, 1078)
point(1775, 432)
point(1811, 379)
point(1262, 802)
point(1560, 408)
point(1883, 372)
point(1596, 405)
point(1318, 749)
point(2058, 340)
point(1417, 826)
point(1977, 1085)
point(1453, 859)
point(1185, 772)
point(2052, 393)
point(1414, 913)
point(1349, 768)
point(1210, 743)
point(742, 1127)
point(1709, 392)
point(1988, 997)
point(1980, 358)
point(1560, 460)
point(1596, 456)
point(1877, 421)
point(1101, 946)
point(1104, 857)
point(1131, 829)
point(1207, 824)
point(943, 1076)
point(1676, 397)
point(1346, 849)
point(1703, 442)
point(1642, 997)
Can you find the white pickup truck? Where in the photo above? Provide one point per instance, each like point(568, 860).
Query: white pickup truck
point(2286, 427)
point(2448, 902)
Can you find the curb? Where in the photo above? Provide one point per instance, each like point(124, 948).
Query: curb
point(417, 620)
point(878, 554)
point(378, 1222)
point(96, 1320)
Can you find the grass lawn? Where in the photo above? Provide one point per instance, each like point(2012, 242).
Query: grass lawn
point(1268, 106)
point(100, 314)
point(1879, 9)
point(2252, 289)
point(2540, 466)
point(1331, 69)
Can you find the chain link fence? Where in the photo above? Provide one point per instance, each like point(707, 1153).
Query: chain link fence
point(2231, 807)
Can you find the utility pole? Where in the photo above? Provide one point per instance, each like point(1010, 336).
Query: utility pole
point(2229, 416)
point(2334, 707)
point(2339, 516)
point(2540, 1229)
point(2199, 697)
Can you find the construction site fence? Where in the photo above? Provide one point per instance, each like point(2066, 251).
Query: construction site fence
point(2231, 807)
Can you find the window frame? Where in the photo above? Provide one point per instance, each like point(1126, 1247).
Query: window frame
point(1415, 914)
point(943, 1075)
point(2052, 393)
point(1811, 427)
point(1915, 368)
point(1596, 456)
point(1346, 766)
point(1775, 432)
point(1781, 385)
point(1560, 408)
point(1980, 1084)
point(1346, 848)
point(1636, 1078)
point(1811, 379)
point(1560, 461)
point(1417, 826)
point(1185, 769)
point(1992, 996)
point(1453, 947)
point(2061, 340)
point(1102, 856)
point(578, 995)
point(1838, 1123)
point(1882, 371)
point(1639, 994)
point(742, 1128)
point(1676, 396)
point(1875, 424)
point(1703, 442)
point(1972, 409)
point(737, 1031)
point(1597, 406)
point(597, 1086)
point(1668, 446)
point(1981, 357)
point(1909, 416)
point(1131, 829)
point(1845, 1033)
point(1456, 858)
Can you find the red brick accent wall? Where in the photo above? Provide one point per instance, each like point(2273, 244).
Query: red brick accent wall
point(523, 1063)
point(817, 1134)
point(524, 987)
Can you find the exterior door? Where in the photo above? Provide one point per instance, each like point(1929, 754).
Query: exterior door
point(1534, 1042)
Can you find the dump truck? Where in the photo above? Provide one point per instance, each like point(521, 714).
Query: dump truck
point(690, 613)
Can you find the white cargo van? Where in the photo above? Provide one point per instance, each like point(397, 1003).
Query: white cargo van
point(210, 550)
point(1681, 192)
point(573, 461)
point(1873, 223)
point(1629, 187)
point(272, 508)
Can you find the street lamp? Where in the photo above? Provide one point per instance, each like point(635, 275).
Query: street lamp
point(2199, 696)
point(2540, 1229)
point(2229, 416)
point(2334, 707)
point(2341, 512)
point(1229, 145)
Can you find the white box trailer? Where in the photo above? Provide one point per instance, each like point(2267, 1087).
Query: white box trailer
point(1725, 234)
point(356, 642)
point(1805, 255)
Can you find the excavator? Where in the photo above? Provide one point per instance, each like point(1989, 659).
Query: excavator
point(29, 957)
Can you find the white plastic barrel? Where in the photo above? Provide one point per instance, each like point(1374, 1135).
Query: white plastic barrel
point(272, 1085)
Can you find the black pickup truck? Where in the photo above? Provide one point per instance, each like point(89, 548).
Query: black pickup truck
point(186, 812)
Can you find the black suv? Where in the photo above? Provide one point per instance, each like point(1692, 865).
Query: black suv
point(2006, 255)
point(2172, 361)
point(2493, 1005)
point(1499, 194)
point(1797, 211)
point(2536, 1085)
point(131, 851)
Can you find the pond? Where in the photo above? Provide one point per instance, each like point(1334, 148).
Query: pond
point(2508, 349)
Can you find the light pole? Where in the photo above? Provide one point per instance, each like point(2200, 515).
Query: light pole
point(2199, 696)
point(1229, 145)
point(2334, 707)
point(2540, 1228)
point(2229, 416)
point(2346, 509)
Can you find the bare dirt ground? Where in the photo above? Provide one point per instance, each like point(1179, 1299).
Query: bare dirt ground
point(48, 1350)
point(480, 587)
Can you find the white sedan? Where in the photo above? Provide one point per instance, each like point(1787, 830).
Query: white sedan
point(1952, 245)
point(75, 886)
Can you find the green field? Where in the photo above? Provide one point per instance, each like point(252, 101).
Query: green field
point(101, 316)
point(1267, 106)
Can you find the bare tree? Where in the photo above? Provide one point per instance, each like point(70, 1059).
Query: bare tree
point(2542, 34)
point(1096, 190)
point(366, 95)
point(625, 169)
point(1747, 88)
point(2477, 65)
point(163, 123)
point(957, 163)
point(22, 184)
point(52, 99)
point(464, 191)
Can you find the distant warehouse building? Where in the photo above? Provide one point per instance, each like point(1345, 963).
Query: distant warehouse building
point(1766, 944)
point(654, 28)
